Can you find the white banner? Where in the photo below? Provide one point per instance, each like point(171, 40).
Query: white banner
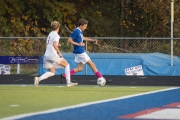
point(134, 71)
point(5, 69)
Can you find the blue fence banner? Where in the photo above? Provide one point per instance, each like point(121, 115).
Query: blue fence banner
point(19, 59)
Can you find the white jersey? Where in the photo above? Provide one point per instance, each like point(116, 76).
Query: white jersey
point(51, 53)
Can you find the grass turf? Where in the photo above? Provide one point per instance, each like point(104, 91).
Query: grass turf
point(21, 99)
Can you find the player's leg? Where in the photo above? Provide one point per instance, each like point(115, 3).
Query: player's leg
point(78, 69)
point(67, 69)
point(80, 60)
point(67, 72)
point(44, 76)
point(75, 70)
point(48, 64)
point(94, 69)
point(48, 74)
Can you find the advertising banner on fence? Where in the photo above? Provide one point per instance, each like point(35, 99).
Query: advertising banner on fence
point(5, 69)
point(19, 59)
point(134, 71)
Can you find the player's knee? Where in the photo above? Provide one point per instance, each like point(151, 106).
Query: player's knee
point(66, 63)
point(63, 63)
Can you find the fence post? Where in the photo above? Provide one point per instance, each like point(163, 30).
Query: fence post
point(86, 64)
point(18, 68)
point(172, 20)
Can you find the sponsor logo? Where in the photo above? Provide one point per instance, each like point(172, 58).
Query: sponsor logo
point(19, 60)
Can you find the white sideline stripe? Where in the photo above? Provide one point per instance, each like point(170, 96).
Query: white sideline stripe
point(80, 105)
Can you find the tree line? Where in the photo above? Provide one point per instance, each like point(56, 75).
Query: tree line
point(107, 18)
point(111, 18)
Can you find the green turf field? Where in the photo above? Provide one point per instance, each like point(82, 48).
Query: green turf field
point(20, 99)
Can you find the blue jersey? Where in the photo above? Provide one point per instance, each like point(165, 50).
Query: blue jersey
point(77, 36)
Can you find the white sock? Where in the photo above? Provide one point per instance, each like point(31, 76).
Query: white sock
point(67, 72)
point(46, 75)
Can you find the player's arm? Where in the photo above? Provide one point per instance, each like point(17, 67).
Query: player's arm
point(90, 40)
point(70, 40)
point(55, 45)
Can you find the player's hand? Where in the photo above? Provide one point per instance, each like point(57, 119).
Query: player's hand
point(95, 41)
point(81, 44)
point(60, 55)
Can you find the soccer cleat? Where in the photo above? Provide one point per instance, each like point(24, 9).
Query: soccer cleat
point(62, 78)
point(36, 82)
point(71, 84)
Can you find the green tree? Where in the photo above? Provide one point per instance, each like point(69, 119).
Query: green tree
point(109, 18)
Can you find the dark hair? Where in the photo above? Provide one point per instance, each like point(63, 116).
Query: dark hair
point(82, 22)
point(55, 25)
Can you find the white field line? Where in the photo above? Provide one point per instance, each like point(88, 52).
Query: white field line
point(81, 105)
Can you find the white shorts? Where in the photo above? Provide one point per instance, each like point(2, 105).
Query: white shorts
point(82, 58)
point(49, 62)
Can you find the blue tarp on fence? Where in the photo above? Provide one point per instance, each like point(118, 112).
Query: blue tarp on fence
point(153, 64)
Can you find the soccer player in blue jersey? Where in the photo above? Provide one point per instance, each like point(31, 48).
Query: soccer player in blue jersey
point(81, 57)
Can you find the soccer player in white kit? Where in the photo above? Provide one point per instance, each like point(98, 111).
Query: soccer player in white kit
point(53, 55)
point(81, 57)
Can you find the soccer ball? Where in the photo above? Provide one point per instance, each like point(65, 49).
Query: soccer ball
point(101, 81)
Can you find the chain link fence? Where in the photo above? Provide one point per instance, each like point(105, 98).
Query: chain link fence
point(35, 46)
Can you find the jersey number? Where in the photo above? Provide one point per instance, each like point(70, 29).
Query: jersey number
point(48, 40)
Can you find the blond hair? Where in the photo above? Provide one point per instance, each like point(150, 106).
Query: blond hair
point(55, 25)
